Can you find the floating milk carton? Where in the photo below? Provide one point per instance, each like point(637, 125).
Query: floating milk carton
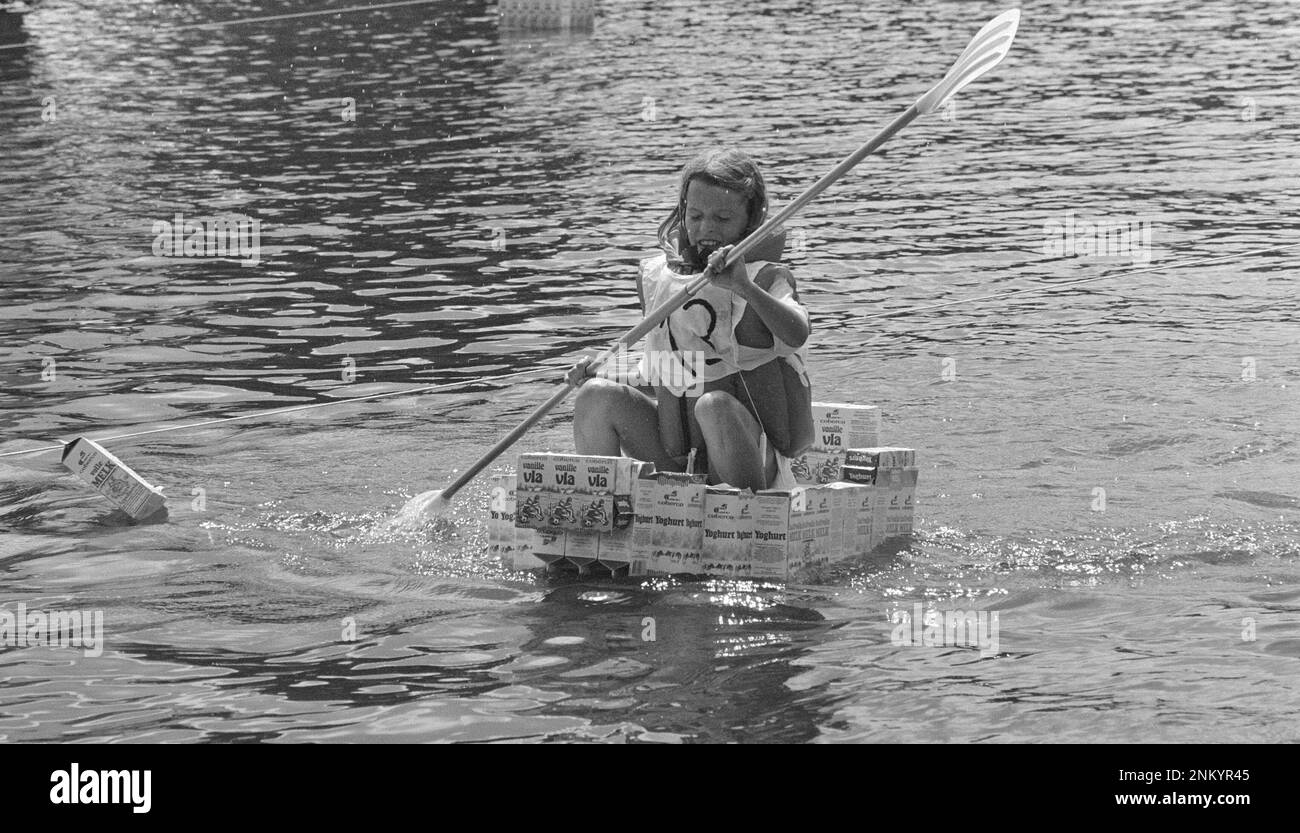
point(574, 492)
point(838, 427)
point(112, 478)
point(728, 532)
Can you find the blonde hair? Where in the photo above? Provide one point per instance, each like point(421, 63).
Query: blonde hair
point(727, 168)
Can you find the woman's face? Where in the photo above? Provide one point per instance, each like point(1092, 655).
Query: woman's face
point(715, 217)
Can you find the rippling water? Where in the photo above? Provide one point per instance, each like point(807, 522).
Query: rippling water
point(482, 215)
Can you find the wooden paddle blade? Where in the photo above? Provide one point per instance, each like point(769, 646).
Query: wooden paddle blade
point(985, 51)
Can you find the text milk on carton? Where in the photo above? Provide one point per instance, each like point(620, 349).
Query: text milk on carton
point(112, 478)
point(728, 532)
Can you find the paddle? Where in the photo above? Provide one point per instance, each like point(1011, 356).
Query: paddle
point(985, 51)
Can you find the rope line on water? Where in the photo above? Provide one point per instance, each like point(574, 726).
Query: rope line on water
point(1053, 286)
point(293, 408)
point(216, 24)
point(489, 379)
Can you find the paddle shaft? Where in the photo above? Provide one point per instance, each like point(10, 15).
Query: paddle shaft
point(660, 313)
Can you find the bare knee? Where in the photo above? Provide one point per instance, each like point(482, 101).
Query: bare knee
point(717, 409)
point(597, 396)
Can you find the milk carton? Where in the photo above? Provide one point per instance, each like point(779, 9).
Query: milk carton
point(791, 531)
point(844, 499)
point(678, 527)
point(859, 518)
point(581, 549)
point(773, 509)
point(858, 474)
point(898, 521)
point(535, 548)
point(841, 426)
point(728, 532)
point(501, 517)
point(889, 457)
point(574, 492)
point(617, 553)
point(815, 527)
point(888, 482)
point(112, 478)
point(815, 467)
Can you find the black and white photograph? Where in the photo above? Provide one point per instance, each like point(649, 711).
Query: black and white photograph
point(650, 372)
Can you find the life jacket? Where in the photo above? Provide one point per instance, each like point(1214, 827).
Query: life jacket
point(698, 344)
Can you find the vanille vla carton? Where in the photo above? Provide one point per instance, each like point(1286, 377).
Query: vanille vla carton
point(839, 426)
point(574, 492)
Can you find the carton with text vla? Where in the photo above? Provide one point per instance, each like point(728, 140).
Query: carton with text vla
point(574, 492)
point(669, 533)
point(840, 426)
point(728, 532)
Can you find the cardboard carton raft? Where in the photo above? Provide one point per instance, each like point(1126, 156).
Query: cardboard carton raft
point(675, 523)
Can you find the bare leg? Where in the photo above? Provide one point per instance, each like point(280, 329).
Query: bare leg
point(732, 436)
point(610, 418)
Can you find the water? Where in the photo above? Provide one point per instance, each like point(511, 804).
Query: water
point(482, 216)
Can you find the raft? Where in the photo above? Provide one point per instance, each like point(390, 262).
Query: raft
point(618, 516)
